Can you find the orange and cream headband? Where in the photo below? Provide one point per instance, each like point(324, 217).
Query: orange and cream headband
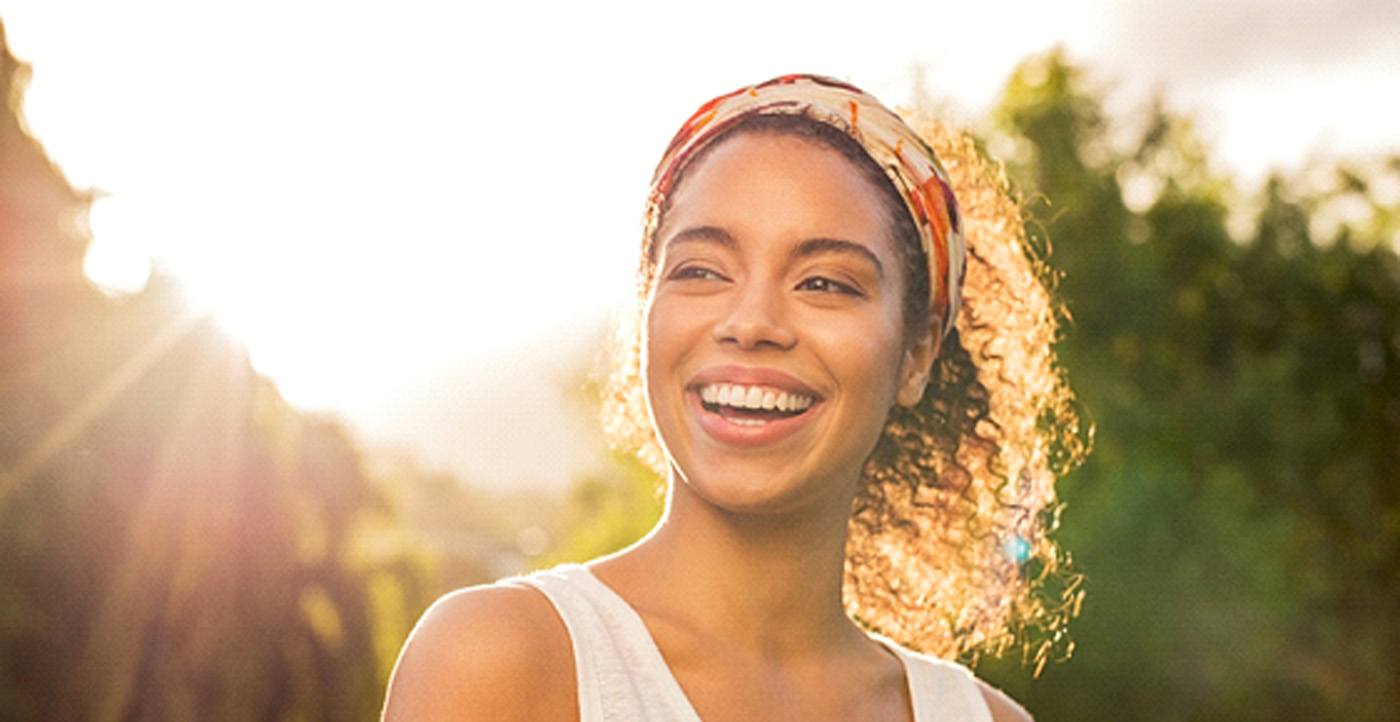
point(905, 158)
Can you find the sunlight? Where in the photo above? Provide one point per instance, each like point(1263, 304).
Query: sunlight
point(418, 194)
point(94, 403)
point(115, 261)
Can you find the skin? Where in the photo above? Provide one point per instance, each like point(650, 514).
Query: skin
point(740, 582)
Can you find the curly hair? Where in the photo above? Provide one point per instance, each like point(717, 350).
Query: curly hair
point(949, 549)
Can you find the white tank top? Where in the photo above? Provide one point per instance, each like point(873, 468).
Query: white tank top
point(622, 676)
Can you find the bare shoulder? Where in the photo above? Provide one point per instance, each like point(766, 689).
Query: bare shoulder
point(496, 652)
point(1004, 709)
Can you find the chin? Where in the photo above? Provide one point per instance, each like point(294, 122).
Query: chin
point(749, 492)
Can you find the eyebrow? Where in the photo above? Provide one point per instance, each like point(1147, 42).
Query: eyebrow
point(818, 246)
point(702, 234)
point(809, 247)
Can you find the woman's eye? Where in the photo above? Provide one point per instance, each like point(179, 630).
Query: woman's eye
point(694, 272)
point(823, 284)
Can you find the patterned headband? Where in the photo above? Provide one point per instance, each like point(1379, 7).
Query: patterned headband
point(906, 159)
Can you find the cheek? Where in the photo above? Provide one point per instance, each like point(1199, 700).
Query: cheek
point(866, 354)
point(666, 338)
point(657, 330)
point(669, 335)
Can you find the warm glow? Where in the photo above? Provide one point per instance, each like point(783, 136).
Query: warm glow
point(115, 261)
point(366, 196)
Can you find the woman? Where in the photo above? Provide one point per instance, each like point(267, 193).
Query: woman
point(845, 449)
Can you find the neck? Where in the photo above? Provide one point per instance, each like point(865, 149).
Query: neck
point(767, 582)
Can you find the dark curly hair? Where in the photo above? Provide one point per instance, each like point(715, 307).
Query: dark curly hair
point(949, 548)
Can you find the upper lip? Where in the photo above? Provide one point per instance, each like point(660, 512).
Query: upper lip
point(750, 376)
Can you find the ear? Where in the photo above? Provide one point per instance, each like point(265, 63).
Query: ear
point(917, 365)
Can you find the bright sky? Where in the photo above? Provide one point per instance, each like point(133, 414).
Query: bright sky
point(373, 196)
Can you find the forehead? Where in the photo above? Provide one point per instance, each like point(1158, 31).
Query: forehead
point(766, 184)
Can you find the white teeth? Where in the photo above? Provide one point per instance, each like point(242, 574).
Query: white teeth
point(753, 397)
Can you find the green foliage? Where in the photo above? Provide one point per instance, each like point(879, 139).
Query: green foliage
point(1237, 521)
point(176, 542)
point(609, 511)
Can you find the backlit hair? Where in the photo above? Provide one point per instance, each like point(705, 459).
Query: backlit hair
point(949, 549)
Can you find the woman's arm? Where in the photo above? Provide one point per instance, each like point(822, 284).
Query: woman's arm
point(485, 653)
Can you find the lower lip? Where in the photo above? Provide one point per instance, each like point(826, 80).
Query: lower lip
point(727, 431)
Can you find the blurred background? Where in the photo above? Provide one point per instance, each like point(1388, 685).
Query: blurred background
point(301, 304)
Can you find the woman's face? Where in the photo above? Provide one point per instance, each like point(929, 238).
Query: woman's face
point(774, 334)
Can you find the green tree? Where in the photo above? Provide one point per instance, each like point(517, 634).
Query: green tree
point(1237, 521)
point(176, 542)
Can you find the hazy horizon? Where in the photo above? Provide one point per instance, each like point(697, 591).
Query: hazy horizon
point(396, 208)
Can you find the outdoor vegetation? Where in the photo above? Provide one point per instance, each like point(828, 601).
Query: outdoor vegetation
point(179, 543)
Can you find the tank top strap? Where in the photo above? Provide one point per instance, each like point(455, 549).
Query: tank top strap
point(621, 674)
point(942, 691)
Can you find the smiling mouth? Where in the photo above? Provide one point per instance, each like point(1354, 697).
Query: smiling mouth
point(753, 405)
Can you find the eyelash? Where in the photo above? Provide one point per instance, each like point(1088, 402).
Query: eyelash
point(833, 286)
point(827, 285)
point(697, 273)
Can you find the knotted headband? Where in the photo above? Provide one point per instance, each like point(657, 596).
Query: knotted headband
point(905, 158)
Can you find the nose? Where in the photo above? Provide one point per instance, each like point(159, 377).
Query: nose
point(756, 320)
